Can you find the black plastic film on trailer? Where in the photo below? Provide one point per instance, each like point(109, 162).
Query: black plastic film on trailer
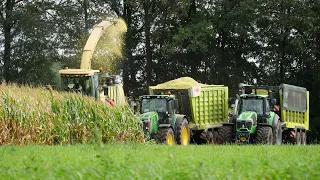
point(294, 98)
point(182, 95)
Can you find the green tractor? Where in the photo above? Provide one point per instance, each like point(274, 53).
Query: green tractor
point(253, 120)
point(161, 121)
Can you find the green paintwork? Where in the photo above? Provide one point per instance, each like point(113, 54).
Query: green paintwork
point(247, 116)
point(153, 117)
point(270, 120)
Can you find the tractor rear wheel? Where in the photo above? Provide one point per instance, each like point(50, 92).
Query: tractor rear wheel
point(166, 136)
point(183, 132)
point(303, 138)
point(224, 135)
point(264, 135)
point(278, 134)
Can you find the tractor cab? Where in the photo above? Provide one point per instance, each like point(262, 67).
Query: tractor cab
point(163, 105)
point(258, 104)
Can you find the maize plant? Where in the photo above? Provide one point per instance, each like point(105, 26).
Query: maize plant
point(35, 115)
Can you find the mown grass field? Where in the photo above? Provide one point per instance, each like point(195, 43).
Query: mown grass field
point(159, 162)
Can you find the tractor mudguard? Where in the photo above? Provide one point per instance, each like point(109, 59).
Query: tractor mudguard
point(179, 119)
point(165, 125)
point(264, 124)
point(275, 121)
point(227, 124)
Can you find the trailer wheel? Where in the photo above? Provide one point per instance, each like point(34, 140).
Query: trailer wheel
point(264, 135)
point(278, 134)
point(209, 137)
point(224, 135)
point(183, 133)
point(166, 136)
point(298, 138)
point(303, 138)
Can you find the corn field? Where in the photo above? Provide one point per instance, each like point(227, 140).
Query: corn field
point(35, 115)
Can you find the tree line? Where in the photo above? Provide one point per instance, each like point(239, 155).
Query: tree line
point(213, 41)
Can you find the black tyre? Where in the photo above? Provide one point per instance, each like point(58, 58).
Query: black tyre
point(210, 138)
point(166, 136)
point(264, 135)
point(298, 138)
point(183, 132)
point(277, 134)
point(224, 135)
point(303, 138)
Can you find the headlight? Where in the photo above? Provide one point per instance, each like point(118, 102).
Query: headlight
point(146, 124)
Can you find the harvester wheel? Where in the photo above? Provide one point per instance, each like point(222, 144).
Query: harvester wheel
point(298, 138)
point(166, 136)
point(264, 135)
point(183, 133)
point(303, 138)
point(224, 135)
point(278, 134)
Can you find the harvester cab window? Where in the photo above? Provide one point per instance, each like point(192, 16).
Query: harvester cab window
point(76, 84)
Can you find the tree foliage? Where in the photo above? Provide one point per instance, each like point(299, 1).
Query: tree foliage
point(213, 41)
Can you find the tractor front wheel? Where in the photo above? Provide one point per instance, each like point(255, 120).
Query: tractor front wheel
point(183, 132)
point(166, 136)
point(224, 135)
point(264, 135)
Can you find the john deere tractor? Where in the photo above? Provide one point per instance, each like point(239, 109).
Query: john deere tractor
point(253, 119)
point(161, 122)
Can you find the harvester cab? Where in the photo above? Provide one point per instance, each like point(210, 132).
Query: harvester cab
point(80, 80)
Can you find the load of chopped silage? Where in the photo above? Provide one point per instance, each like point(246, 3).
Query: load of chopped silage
point(180, 83)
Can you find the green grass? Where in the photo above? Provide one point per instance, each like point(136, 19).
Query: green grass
point(159, 162)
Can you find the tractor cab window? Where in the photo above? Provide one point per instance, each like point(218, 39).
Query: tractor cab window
point(77, 84)
point(155, 104)
point(251, 104)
